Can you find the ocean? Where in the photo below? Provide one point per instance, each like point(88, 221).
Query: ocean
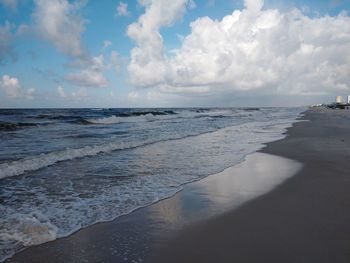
point(65, 169)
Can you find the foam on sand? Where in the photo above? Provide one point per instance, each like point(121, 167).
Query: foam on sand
point(28, 229)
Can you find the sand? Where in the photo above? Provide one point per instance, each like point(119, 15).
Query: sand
point(306, 218)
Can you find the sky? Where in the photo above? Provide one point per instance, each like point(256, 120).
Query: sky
point(173, 53)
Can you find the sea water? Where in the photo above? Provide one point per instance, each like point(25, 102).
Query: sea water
point(65, 169)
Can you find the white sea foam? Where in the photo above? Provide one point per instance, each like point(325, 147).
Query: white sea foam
point(80, 202)
point(43, 160)
point(151, 117)
point(216, 113)
point(107, 120)
point(28, 229)
point(33, 163)
point(141, 118)
point(19, 167)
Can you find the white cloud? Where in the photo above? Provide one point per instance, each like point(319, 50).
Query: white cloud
point(60, 22)
point(75, 95)
point(30, 93)
point(80, 94)
point(253, 5)
point(266, 51)
point(122, 9)
point(133, 95)
point(88, 78)
point(11, 86)
point(107, 43)
point(97, 63)
point(61, 92)
point(92, 75)
point(10, 4)
point(148, 56)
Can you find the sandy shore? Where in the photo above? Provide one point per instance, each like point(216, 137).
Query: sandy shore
point(305, 219)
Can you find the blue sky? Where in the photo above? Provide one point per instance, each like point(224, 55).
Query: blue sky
point(151, 53)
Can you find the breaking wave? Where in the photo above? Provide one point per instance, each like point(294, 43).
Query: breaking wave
point(19, 167)
point(107, 120)
point(43, 160)
point(129, 117)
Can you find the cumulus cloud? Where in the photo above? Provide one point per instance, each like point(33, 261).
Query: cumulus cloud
point(122, 9)
point(148, 56)
point(11, 86)
point(60, 22)
point(91, 76)
point(88, 78)
point(253, 5)
point(249, 50)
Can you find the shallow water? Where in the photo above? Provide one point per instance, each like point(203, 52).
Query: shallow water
point(62, 170)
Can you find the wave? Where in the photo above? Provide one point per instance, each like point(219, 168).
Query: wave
point(10, 112)
point(21, 166)
point(118, 117)
point(43, 160)
point(12, 126)
point(107, 120)
point(56, 117)
point(158, 115)
point(26, 223)
point(143, 113)
point(128, 117)
point(115, 119)
point(251, 109)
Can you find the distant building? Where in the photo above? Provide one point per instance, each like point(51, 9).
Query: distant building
point(338, 104)
point(338, 99)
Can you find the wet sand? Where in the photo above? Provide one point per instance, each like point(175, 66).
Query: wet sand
point(306, 219)
point(135, 237)
point(223, 219)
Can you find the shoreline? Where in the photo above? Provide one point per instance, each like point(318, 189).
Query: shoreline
point(105, 242)
point(213, 195)
point(61, 247)
point(305, 219)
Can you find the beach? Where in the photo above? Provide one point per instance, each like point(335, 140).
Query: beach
point(306, 219)
point(160, 131)
point(301, 214)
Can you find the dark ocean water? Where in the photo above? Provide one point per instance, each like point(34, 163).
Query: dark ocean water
point(65, 169)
